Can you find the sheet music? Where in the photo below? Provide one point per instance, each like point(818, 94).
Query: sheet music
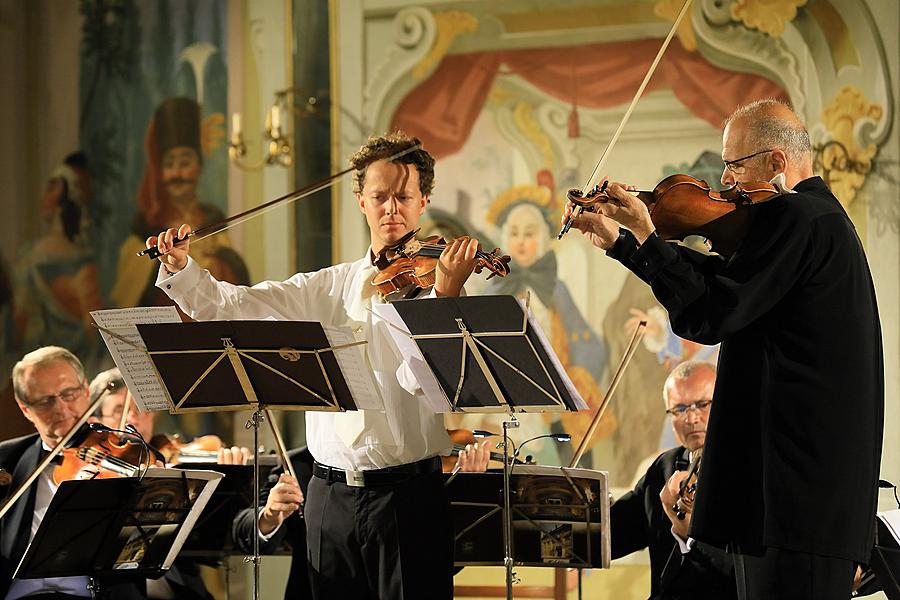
point(356, 371)
point(408, 349)
point(129, 353)
point(891, 519)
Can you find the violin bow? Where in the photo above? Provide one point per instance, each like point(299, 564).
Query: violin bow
point(126, 406)
point(279, 444)
point(617, 377)
point(49, 458)
point(615, 138)
point(229, 222)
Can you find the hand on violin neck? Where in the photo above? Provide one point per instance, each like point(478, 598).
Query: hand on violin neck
point(669, 495)
point(627, 210)
point(600, 230)
point(174, 257)
point(455, 265)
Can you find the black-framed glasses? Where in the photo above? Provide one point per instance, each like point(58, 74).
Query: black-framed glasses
point(737, 169)
point(67, 395)
point(681, 410)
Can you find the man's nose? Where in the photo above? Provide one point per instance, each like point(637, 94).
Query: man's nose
point(692, 415)
point(727, 177)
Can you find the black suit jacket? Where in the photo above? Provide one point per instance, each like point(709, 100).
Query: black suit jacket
point(292, 531)
point(19, 457)
point(638, 521)
point(793, 447)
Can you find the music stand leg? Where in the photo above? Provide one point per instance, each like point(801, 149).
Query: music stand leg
point(512, 423)
point(253, 422)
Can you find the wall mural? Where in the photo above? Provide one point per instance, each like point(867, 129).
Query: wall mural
point(153, 98)
point(517, 105)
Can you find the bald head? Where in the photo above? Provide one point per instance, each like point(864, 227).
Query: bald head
point(771, 128)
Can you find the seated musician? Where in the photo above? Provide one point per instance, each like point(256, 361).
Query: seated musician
point(644, 517)
point(51, 390)
point(280, 519)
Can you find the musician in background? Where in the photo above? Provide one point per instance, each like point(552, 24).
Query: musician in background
point(644, 518)
point(52, 392)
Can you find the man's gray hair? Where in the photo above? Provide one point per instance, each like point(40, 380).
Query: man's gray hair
point(767, 130)
point(110, 380)
point(683, 371)
point(43, 357)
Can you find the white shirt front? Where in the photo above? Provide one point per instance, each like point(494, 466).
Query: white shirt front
point(407, 431)
point(20, 588)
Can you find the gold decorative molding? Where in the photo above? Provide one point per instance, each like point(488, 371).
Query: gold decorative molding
point(449, 25)
point(843, 163)
point(769, 16)
point(668, 10)
point(523, 117)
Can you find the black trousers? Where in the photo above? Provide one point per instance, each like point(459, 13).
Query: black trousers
point(777, 574)
point(386, 542)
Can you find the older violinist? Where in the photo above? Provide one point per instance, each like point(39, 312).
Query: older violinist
point(789, 476)
point(644, 517)
point(52, 392)
point(401, 544)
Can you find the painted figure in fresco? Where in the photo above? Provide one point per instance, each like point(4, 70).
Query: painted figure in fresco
point(168, 197)
point(790, 476)
point(56, 282)
point(522, 213)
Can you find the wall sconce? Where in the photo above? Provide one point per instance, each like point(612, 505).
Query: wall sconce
point(276, 139)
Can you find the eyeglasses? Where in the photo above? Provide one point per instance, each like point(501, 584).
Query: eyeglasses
point(67, 395)
point(734, 167)
point(681, 410)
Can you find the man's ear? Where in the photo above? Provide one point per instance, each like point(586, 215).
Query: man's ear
point(361, 203)
point(25, 411)
point(777, 161)
point(424, 205)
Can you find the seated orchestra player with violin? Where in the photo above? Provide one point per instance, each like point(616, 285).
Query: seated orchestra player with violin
point(646, 516)
point(51, 390)
point(387, 530)
point(790, 478)
point(281, 518)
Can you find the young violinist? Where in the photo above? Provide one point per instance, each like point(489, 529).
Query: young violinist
point(789, 476)
point(51, 390)
point(386, 531)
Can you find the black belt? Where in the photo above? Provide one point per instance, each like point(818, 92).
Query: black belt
point(378, 477)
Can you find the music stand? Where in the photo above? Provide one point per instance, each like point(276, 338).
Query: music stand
point(118, 528)
point(482, 354)
point(256, 365)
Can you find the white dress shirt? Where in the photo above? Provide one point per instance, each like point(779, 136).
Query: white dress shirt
point(407, 431)
point(20, 588)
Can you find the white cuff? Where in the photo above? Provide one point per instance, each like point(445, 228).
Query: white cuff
point(683, 545)
point(265, 537)
point(175, 284)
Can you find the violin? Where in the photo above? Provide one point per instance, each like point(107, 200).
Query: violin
point(684, 504)
point(409, 265)
point(462, 438)
point(203, 449)
point(101, 452)
point(681, 205)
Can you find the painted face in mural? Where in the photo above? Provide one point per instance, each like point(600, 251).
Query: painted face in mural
point(180, 171)
point(525, 234)
point(111, 413)
point(392, 202)
point(690, 426)
point(56, 399)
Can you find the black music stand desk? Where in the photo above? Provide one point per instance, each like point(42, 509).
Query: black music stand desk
point(118, 528)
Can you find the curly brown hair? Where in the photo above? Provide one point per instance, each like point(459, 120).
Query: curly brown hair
point(386, 146)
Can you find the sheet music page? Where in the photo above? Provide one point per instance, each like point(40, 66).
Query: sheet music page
point(355, 368)
point(891, 518)
point(129, 353)
point(573, 392)
point(409, 350)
